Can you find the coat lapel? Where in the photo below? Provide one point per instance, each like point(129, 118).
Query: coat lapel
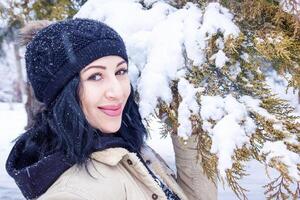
point(160, 167)
point(139, 171)
point(118, 155)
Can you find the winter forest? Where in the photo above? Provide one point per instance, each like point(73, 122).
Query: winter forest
point(224, 73)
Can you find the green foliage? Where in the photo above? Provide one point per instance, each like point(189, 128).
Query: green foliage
point(274, 33)
point(269, 36)
point(54, 10)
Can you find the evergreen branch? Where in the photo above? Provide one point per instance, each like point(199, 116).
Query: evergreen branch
point(232, 176)
point(279, 189)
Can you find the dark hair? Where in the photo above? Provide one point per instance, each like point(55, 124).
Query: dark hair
point(63, 127)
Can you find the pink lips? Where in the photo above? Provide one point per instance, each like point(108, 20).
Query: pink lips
point(112, 110)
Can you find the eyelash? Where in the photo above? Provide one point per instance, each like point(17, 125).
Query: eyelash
point(124, 71)
point(92, 77)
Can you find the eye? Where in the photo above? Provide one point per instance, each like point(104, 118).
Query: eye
point(95, 77)
point(122, 72)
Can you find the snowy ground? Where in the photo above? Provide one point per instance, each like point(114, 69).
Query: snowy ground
point(13, 121)
point(11, 124)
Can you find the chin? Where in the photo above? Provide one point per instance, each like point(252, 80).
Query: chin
point(109, 129)
point(108, 126)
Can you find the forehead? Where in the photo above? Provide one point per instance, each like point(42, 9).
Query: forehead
point(104, 63)
point(107, 60)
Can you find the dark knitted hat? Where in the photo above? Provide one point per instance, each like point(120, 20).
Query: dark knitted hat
point(58, 52)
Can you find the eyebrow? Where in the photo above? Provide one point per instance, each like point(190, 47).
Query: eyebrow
point(102, 67)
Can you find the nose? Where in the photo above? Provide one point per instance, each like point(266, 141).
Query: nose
point(114, 89)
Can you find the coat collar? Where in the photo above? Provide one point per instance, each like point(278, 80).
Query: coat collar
point(113, 156)
point(110, 156)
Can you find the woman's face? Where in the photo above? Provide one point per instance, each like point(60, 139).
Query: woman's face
point(103, 92)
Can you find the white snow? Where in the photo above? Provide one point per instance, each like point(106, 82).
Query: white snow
point(254, 105)
point(194, 41)
point(13, 120)
point(218, 19)
point(8, 69)
point(278, 85)
point(212, 108)
point(235, 70)
point(233, 127)
point(157, 38)
point(292, 7)
point(245, 57)
point(187, 106)
point(220, 59)
point(279, 150)
point(163, 42)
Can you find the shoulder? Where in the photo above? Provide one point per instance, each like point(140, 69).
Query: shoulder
point(88, 182)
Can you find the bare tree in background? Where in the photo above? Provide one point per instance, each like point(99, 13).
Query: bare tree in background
point(20, 83)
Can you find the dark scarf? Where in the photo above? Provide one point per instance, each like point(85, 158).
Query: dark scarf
point(34, 177)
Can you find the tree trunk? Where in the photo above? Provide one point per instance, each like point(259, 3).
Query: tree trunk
point(20, 84)
point(190, 176)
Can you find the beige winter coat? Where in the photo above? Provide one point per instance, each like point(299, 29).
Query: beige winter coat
point(118, 174)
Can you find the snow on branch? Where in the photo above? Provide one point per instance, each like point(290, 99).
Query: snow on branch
point(195, 64)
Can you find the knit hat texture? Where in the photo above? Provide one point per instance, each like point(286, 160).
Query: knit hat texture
point(58, 52)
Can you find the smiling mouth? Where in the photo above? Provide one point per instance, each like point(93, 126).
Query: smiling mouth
point(113, 111)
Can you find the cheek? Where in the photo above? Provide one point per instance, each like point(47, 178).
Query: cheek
point(126, 89)
point(89, 92)
point(87, 98)
point(89, 107)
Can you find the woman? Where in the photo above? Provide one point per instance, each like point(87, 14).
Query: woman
point(88, 143)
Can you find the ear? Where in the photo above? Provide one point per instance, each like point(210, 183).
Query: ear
point(30, 30)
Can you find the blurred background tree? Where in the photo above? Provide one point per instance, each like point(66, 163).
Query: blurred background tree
point(13, 16)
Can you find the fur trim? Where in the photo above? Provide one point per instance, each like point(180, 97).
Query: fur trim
point(30, 30)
